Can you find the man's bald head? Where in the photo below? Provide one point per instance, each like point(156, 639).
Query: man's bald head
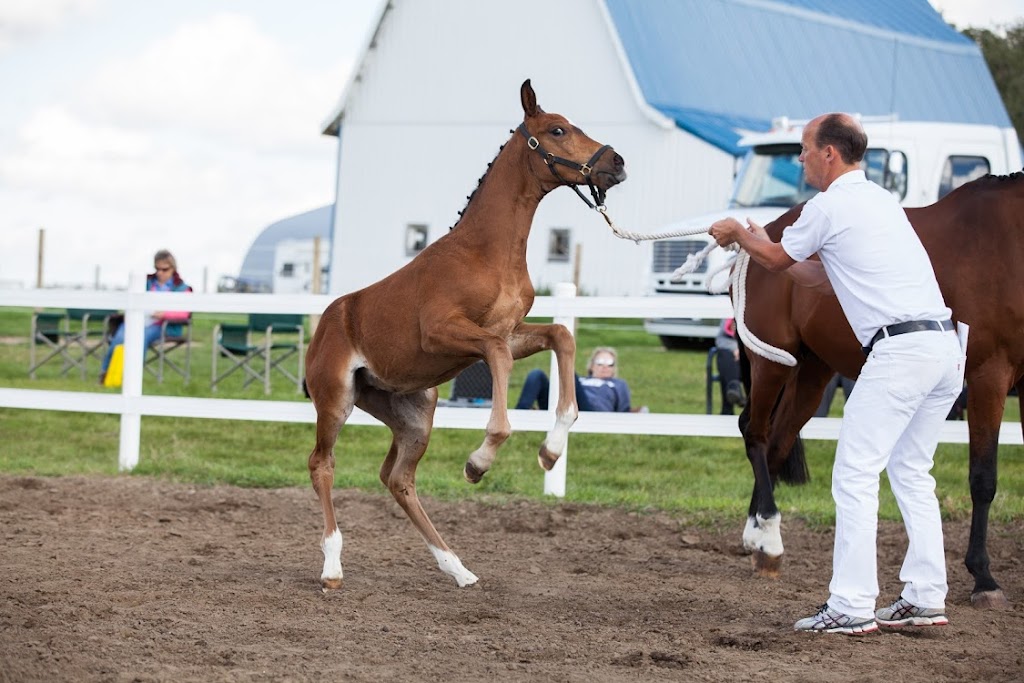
point(844, 133)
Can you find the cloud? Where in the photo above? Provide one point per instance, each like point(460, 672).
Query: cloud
point(25, 19)
point(223, 78)
point(196, 143)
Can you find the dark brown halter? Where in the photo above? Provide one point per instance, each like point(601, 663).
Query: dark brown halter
point(584, 169)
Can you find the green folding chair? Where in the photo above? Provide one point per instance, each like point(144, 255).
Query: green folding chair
point(157, 354)
point(284, 338)
point(259, 347)
point(73, 336)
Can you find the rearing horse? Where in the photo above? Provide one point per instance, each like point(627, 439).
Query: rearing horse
point(975, 239)
point(387, 347)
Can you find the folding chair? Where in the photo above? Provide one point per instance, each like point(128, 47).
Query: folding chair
point(234, 342)
point(74, 336)
point(472, 387)
point(172, 336)
point(93, 333)
point(710, 380)
point(283, 337)
point(52, 331)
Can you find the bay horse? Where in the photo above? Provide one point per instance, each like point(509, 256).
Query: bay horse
point(387, 347)
point(975, 239)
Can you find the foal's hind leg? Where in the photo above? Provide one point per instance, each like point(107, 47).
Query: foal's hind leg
point(410, 417)
point(333, 401)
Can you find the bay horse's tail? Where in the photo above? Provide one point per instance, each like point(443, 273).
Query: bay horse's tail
point(305, 389)
point(794, 468)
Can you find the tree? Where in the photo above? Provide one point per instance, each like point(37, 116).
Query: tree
point(1005, 58)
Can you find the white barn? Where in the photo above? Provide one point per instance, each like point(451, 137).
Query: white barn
point(671, 84)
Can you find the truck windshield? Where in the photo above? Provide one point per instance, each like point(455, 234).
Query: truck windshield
point(772, 175)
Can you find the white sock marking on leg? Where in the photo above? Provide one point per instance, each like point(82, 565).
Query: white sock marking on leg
point(764, 535)
point(331, 545)
point(451, 565)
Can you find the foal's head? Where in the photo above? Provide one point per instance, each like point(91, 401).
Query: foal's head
point(565, 154)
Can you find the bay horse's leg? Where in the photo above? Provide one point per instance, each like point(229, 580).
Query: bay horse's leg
point(783, 458)
point(527, 339)
point(762, 534)
point(410, 418)
point(333, 396)
point(986, 399)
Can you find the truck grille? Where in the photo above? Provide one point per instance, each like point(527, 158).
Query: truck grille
point(670, 254)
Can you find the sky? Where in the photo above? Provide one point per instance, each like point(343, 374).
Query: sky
point(128, 127)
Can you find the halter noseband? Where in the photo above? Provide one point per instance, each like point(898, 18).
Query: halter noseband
point(584, 169)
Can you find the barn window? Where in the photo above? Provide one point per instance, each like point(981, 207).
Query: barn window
point(415, 238)
point(959, 170)
point(287, 270)
point(558, 244)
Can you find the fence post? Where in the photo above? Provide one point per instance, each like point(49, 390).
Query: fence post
point(554, 479)
point(131, 381)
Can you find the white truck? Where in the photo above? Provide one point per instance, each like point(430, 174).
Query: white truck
point(919, 162)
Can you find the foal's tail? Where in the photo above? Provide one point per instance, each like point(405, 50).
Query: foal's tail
point(305, 389)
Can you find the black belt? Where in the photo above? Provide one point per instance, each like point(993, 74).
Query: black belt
point(909, 326)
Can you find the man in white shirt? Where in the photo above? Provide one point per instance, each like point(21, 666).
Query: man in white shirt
point(913, 373)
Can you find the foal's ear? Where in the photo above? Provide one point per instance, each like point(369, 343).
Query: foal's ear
point(529, 100)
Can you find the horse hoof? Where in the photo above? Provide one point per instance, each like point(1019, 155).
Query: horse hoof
point(768, 566)
point(990, 600)
point(328, 585)
point(472, 473)
point(546, 458)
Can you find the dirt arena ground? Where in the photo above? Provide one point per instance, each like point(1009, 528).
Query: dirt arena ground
point(134, 579)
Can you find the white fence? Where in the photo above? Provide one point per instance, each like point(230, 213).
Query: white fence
point(131, 404)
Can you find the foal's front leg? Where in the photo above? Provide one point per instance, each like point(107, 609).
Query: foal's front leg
point(462, 337)
point(527, 339)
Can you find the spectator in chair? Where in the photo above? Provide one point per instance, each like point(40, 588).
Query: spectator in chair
point(600, 391)
point(728, 361)
point(165, 278)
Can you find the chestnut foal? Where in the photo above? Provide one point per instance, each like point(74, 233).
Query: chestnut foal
point(387, 347)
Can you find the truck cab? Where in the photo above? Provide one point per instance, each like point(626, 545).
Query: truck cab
point(919, 162)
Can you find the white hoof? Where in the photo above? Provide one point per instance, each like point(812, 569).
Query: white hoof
point(450, 564)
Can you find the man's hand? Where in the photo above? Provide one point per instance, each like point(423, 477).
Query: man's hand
point(729, 230)
point(754, 240)
point(725, 231)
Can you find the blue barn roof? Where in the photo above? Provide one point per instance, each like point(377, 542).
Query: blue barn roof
point(720, 66)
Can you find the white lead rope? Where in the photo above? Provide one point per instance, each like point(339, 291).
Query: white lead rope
point(738, 279)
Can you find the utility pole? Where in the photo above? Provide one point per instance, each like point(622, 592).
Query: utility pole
point(39, 259)
point(314, 320)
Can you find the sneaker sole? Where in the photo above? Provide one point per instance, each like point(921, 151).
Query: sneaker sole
point(915, 621)
point(844, 630)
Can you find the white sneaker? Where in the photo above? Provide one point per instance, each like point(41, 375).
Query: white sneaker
point(902, 613)
point(827, 620)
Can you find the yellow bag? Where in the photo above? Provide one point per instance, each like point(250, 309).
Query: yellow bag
point(116, 368)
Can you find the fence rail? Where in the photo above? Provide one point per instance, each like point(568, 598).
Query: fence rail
point(565, 307)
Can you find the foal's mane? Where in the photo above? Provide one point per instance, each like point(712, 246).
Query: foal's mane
point(469, 198)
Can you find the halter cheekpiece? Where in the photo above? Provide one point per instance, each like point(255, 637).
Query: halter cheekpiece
point(584, 169)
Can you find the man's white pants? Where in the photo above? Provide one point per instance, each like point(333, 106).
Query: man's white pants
point(892, 422)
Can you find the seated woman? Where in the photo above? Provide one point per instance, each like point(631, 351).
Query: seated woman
point(164, 279)
point(601, 390)
point(728, 361)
